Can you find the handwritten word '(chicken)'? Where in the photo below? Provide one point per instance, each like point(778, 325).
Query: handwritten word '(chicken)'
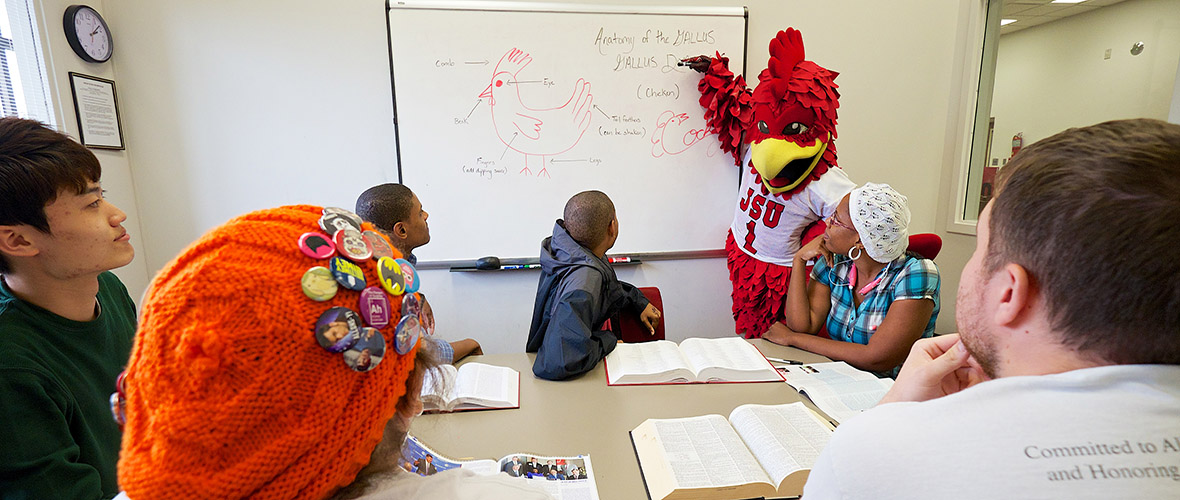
point(604, 40)
point(646, 92)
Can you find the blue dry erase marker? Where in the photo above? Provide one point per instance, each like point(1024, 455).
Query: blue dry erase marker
point(522, 266)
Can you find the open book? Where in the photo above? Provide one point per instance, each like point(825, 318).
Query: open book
point(473, 386)
point(761, 451)
point(561, 477)
point(695, 360)
point(836, 388)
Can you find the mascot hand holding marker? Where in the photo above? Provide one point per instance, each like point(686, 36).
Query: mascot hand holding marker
point(790, 179)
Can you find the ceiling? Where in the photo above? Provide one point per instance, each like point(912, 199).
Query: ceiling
point(1028, 13)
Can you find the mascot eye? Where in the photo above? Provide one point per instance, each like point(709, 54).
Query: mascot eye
point(762, 127)
point(795, 128)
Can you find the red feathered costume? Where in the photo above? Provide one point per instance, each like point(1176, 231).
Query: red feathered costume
point(791, 179)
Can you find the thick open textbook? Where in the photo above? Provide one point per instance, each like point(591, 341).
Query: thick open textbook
point(473, 386)
point(695, 360)
point(566, 478)
point(837, 389)
point(761, 451)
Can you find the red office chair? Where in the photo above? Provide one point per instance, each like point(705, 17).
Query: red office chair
point(628, 327)
point(927, 245)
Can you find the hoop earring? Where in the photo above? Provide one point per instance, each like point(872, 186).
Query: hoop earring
point(858, 253)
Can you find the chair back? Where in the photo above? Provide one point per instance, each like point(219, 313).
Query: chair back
point(925, 244)
point(631, 330)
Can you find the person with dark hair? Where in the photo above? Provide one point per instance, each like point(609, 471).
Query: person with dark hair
point(1064, 380)
point(398, 214)
point(66, 322)
point(578, 291)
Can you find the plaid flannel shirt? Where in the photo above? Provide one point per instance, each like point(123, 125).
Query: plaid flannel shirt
point(905, 278)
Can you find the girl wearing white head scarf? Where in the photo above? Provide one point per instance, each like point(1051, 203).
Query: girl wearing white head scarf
point(874, 300)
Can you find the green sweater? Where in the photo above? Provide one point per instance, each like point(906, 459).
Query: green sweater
point(59, 439)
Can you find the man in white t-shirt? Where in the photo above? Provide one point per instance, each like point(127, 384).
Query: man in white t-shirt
point(1064, 381)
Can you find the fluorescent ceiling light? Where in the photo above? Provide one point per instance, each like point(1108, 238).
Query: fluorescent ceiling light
point(1005, 22)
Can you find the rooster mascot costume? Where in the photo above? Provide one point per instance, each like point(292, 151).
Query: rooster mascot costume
point(790, 179)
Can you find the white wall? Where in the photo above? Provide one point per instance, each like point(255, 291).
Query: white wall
point(116, 165)
point(1054, 76)
point(259, 91)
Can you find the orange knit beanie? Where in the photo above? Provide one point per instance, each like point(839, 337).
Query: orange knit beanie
point(229, 394)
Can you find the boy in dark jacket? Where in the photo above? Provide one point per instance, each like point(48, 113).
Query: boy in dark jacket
point(579, 291)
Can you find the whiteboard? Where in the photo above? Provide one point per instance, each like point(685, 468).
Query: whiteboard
point(504, 111)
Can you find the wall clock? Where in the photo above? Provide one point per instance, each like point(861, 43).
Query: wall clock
point(88, 34)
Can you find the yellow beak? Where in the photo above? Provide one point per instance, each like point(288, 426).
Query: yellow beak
point(784, 164)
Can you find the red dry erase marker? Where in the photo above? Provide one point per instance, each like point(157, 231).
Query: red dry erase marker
point(614, 260)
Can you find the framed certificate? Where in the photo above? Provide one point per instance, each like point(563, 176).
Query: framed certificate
point(97, 109)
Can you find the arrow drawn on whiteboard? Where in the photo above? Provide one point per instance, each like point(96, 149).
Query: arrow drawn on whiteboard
point(601, 111)
point(591, 160)
point(509, 145)
point(477, 103)
point(485, 61)
point(518, 82)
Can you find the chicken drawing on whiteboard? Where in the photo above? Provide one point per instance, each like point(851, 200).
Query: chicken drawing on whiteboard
point(674, 134)
point(534, 132)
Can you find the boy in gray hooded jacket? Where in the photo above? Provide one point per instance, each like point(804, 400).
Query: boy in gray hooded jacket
point(579, 291)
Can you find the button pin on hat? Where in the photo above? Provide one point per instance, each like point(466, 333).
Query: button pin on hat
point(389, 272)
point(349, 275)
point(318, 284)
point(332, 223)
point(338, 329)
point(351, 244)
point(409, 275)
point(368, 351)
point(316, 245)
point(406, 334)
point(377, 242)
point(375, 307)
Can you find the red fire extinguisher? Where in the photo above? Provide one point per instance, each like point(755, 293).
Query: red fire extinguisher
point(1017, 142)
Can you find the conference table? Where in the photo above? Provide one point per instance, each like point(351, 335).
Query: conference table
point(584, 416)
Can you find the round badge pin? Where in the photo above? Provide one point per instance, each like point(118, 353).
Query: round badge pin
point(316, 245)
point(375, 307)
point(411, 306)
point(346, 273)
point(318, 284)
point(378, 243)
point(351, 244)
point(406, 334)
point(344, 212)
point(390, 275)
point(409, 275)
point(332, 223)
point(368, 351)
point(337, 329)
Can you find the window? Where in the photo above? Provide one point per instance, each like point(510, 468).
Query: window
point(24, 89)
point(1048, 65)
